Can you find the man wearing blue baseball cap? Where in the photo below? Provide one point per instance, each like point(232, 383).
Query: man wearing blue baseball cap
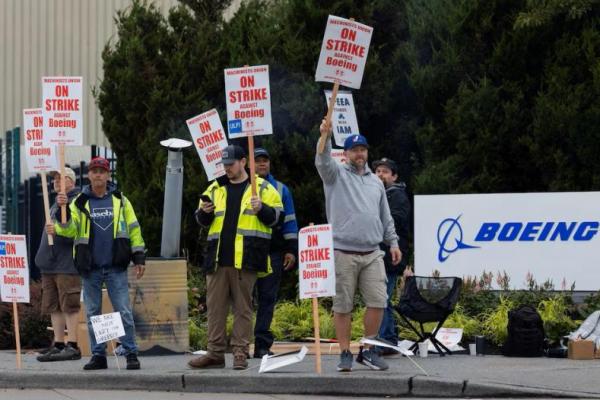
point(357, 208)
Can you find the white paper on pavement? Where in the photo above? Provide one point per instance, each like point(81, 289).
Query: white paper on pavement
point(269, 363)
point(449, 337)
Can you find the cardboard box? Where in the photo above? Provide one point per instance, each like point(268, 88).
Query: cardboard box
point(581, 350)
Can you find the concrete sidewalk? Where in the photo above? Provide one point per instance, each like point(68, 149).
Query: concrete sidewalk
point(450, 376)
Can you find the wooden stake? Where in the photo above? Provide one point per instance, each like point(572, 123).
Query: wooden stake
point(252, 166)
point(61, 160)
point(323, 139)
point(17, 335)
point(315, 308)
point(46, 205)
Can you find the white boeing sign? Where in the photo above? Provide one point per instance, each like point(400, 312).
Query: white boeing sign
point(550, 235)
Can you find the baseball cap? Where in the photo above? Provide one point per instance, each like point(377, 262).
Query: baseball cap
point(99, 162)
point(355, 140)
point(260, 152)
point(391, 164)
point(232, 153)
point(69, 173)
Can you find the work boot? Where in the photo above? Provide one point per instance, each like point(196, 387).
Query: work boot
point(97, 362)
point(132, 361)
point(345, 364)
point(240, 360)
point(206, 362)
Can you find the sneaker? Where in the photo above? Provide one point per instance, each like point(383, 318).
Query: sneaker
point(345, 364)
point(132, 361)
point(371, 359)
point(48, 354)
point(240, 361)
point(68, 353)
point(97, 362)
point(260, 353)
point(206, 362)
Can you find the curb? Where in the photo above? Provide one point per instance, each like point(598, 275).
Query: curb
point(278, 383)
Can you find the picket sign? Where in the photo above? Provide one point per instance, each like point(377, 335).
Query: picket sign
point(316, 273)
point(209, 140)
point(342, 59)
point(14, 275)
point(108, 327)
point(343, 120)
point(39, 154)
point(62, 107)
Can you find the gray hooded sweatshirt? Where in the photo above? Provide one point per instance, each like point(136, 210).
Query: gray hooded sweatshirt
point(356, 206)
point(57, 259)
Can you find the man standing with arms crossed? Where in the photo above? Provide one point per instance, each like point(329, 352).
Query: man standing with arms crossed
point(358, 211)
point(284, 246)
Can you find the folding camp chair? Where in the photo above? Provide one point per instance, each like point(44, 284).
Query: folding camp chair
point(428, 299)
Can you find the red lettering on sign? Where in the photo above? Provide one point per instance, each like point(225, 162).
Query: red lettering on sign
point(247, 81)
point(61, 90)
point(204, 126)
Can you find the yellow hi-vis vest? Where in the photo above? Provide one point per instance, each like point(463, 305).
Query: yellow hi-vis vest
point(253, 238)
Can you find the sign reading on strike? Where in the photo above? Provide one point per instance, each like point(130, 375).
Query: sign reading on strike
point(248, 101)
point(344, 52)
point(343, 119)
point(62, 105)
point(40, 156)
point(316, 263)
point(107, 327)
point(209, 139)
point(14, 269)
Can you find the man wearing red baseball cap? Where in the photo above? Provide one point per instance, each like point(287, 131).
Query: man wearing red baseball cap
point(108, 238)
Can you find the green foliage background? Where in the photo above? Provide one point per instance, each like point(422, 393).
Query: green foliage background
point(468, 96)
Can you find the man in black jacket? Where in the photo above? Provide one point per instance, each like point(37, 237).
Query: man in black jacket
point(387, 171)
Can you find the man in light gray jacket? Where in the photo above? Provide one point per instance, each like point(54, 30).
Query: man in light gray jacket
point(357, 208)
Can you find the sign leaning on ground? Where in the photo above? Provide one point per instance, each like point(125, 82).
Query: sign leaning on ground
point(343, 119)
point(344, 52)
point(40, 156)
point(248, 101)
point(62, 105)
point(316, 262)
point(548, 235)
point(107, 326)
point(209, 140)
point(14, 269)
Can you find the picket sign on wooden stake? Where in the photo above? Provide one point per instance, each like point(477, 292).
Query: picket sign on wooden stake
point(17, 334)
point(46, 205)
point(61, 161)
point(317, 323)
point(324, 137)
point(251, 159)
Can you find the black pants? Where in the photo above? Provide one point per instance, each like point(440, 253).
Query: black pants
point(266, 295)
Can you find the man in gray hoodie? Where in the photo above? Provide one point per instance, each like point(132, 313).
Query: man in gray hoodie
point(357, 208)
point(61, 285)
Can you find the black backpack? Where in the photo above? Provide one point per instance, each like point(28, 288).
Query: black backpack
point(525, 333)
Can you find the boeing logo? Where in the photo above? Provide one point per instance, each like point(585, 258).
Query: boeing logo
point(450, 238)
point(450, 233)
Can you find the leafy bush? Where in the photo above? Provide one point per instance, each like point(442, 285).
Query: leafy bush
point(495, 321)
point(554, 313)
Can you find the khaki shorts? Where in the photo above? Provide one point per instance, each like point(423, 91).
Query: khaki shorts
point(365, 271)
point(60, 293)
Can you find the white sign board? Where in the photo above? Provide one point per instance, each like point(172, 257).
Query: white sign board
point(209, 140)
point(276, 361)
point(62, 104)
point(14, 269)
point(316, 262)
point(40, 156)
point(107, 327)
point(248, 101)
point(449, 337)
point(344, 52)
point(550, 235)
point(339, 156)
point(343, 119)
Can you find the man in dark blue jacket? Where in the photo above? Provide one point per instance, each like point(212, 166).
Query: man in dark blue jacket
point(387, 171)
point(284, 243)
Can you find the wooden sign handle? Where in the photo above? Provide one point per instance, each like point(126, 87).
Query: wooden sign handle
point(46, 205)
point(251, 160)
point(324, 137)
point(17, 335)
point(316, 323)
point(61, 160)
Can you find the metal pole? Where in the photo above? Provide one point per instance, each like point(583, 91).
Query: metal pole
point(16, 178)
point(171, 228)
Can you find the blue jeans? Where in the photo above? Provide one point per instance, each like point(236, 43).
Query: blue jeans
point(388, 329)
point(266, 292)
point(118, 292)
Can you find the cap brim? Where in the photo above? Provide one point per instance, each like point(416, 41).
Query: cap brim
point(228, 162)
